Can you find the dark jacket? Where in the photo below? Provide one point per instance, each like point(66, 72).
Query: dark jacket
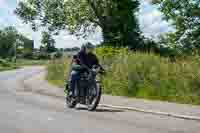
point(88, 60)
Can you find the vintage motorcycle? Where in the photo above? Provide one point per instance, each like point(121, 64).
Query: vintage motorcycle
point(87, 89)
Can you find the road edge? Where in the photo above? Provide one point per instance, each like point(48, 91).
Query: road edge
point(154, 112)
point(186, 117)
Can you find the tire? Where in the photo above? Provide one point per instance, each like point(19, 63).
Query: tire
point(70, 103)
point(93, 105)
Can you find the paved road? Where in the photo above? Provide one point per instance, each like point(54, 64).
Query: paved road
point(23, 112)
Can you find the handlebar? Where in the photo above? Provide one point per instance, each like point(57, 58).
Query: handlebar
point(101, 69)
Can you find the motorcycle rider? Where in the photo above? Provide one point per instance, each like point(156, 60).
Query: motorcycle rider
point(83, 61)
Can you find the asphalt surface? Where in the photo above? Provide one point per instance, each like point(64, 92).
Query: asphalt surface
point(26, 112)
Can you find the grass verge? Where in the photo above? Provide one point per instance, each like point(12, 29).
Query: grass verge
point(7, 65)
point(26, 62)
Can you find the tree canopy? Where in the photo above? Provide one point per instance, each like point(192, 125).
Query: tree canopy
point(11, 41)
point(185, 16)
point(48, 42)
point(8, 37)
point(116, 18)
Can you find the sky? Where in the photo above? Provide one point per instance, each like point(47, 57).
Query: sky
point(150, 20)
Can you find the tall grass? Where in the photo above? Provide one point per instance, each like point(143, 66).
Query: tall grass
point(154, 77)
point(142, 75)
point(57, 71)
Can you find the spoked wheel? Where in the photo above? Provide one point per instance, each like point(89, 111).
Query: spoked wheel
point(94, 98)
point(70, 102)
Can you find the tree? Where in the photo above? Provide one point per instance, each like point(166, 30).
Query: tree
point(8, 37)
point(185, 16)
point(13, 43)
point(25, 47)
point(116, 18)
point(48, 42)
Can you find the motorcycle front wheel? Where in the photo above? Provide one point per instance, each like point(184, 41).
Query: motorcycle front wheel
point(70, 102)
point(94, 97)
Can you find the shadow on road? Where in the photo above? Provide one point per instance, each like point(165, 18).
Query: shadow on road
point(108, 110)
point(101, 110)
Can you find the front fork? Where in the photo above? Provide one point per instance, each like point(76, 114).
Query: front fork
point(66, 89)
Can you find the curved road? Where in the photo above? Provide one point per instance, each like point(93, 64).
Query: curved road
point(22, 112)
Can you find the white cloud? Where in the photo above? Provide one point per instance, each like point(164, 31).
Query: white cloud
point(151, 22)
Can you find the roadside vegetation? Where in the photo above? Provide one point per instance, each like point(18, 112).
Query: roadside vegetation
point(31, 62)
point(141, 75)
point(57, 71)
point(4, 65)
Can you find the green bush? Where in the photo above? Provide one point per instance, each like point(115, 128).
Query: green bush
point(115, 61)
point(7, 65)
point(58, 54)
point(28, 55)
point(4, 63)
point(42, 56)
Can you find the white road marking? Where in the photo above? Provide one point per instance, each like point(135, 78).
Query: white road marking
point(50, 119)
point(20, 111)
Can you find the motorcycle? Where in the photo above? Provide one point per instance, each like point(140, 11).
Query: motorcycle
point(87, 89)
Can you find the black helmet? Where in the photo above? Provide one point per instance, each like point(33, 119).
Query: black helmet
point(89, 45)
point(83, 48)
